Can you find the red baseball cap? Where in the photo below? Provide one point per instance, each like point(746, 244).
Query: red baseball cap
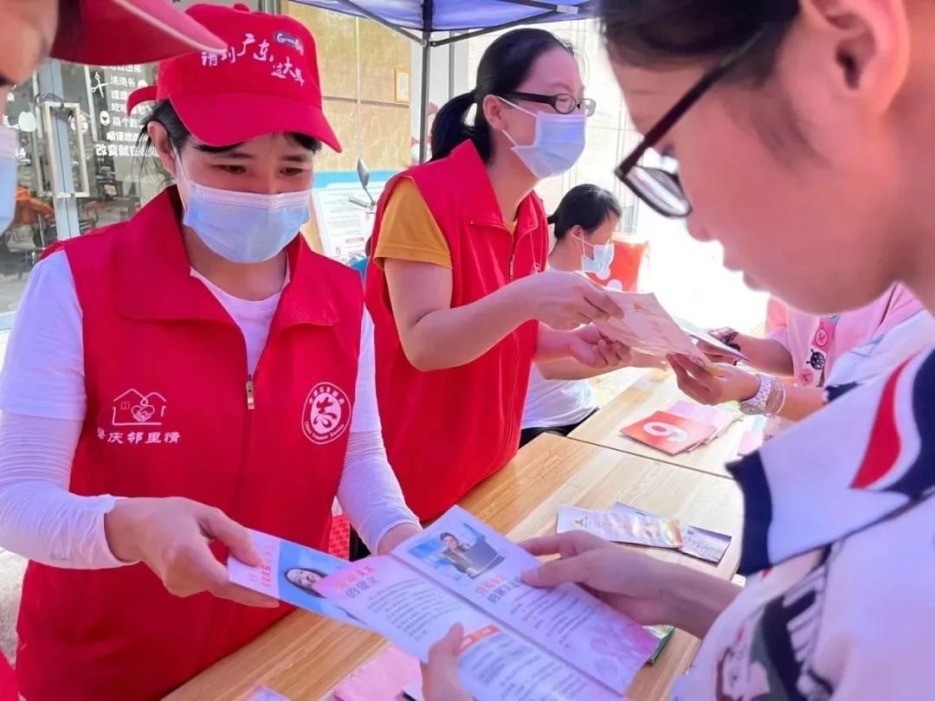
point(267, 82)
point(115, 32)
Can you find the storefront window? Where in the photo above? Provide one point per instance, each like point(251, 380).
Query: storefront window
point(33, 226)
point(81, 165)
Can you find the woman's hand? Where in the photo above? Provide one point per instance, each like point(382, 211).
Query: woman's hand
point(593, 349)
point(713, 385)
point(565, 301)
point(630, 581)
point(440, 678)
point(397, 535)
point(171, 536)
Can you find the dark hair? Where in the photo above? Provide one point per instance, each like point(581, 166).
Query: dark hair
point(653, 32)
point(164, 113)
point(448, 535)
point(587, 206)
point(502, 69)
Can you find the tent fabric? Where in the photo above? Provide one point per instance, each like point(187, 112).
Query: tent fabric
point(462, 15)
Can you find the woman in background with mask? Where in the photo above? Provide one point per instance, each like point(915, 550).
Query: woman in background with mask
point(183, 376)
point(452, 290)
point(99, 32)
point(559, 397)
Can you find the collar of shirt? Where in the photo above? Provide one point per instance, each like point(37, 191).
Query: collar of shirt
point(860, 460)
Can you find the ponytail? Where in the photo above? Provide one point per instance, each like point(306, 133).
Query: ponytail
point(552, 219)
point(449, 129)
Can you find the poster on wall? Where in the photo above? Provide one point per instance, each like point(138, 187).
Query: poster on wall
point(344, 212)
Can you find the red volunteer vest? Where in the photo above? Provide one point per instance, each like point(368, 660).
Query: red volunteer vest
point(171, 412)
point(8, 690)
point(448, 430)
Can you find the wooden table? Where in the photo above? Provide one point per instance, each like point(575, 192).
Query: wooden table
point(304, 656)
point(656, 391)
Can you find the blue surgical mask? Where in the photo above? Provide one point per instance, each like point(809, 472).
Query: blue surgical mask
point(244, 227)
point(558, 144)
point(9, 143)
point(599, 262)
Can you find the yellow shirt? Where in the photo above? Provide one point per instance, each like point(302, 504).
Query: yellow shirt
point(409, 231)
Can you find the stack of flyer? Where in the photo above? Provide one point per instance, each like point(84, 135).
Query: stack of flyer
point(627, 524)
point(520, 643)
point(682, 427)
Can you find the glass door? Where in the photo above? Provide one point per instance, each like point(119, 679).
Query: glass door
point(34, 223)
point(81, 165)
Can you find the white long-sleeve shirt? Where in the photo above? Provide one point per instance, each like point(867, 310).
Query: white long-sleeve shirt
point(43, 405)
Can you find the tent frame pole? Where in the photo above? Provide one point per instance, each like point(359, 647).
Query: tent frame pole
point(428, 18)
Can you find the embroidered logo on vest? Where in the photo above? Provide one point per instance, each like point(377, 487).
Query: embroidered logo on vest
point(133, 417)
point(133, 408)
point(327, 413)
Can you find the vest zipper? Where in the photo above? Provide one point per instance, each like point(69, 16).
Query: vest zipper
point(251, 398)
point(512, 257)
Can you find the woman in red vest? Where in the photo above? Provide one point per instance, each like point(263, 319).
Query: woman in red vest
point(178, 378)
point(148, 30)
point(460, 316)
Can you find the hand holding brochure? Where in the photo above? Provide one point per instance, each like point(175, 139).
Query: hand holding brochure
point(520, 642)
point(289, 573)
point(646, 326)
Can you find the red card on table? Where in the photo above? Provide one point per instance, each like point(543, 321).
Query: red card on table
point(669, 433)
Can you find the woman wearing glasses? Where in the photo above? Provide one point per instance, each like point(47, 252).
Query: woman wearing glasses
point(803, 135)
point(455, 303)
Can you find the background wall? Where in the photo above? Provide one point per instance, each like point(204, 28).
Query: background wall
point(357, 60)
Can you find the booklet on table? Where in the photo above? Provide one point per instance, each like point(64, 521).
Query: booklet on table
point(670, 433)
point(520, 642)
point(697, 542)
point(653, 530)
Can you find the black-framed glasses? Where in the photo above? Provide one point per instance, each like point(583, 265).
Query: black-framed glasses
point(662, 189)
point(561, 103)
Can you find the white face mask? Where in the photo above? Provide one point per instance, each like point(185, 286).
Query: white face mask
point(599, 262)
point(244, 227)
point(558, 144)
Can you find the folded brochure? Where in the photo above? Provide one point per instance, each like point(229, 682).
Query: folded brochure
point(646, 326)
point(697, 542)
point(632, 528)
point(520, 643)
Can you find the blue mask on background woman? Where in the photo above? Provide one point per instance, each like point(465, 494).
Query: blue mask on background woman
point(599, 262)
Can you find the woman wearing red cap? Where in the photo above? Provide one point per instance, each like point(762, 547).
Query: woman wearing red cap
point(175, 376)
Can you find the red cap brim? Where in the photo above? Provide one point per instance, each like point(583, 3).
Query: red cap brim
point(249, 115)
point(117, 32)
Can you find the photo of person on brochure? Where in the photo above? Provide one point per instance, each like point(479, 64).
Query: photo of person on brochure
point(305, 579)
point(461, 552)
